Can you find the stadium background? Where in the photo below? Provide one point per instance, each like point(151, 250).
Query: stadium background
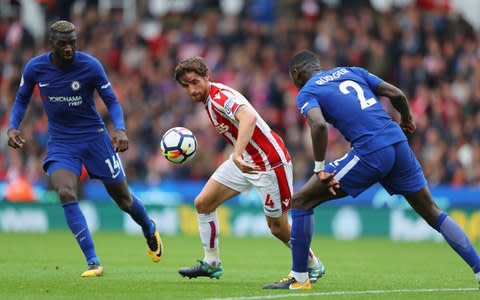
point(430, 49)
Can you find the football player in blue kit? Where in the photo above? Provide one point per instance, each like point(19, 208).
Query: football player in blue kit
point(347, 98)
point(67, 80)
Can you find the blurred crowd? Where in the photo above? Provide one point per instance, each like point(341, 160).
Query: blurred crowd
point(433, 56)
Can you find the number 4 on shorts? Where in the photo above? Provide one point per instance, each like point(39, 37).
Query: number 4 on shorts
point(269, 201)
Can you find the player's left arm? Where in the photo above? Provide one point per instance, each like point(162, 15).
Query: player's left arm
point(399, 102)
point(319, 135)
point(105, 90)
point(246, 126)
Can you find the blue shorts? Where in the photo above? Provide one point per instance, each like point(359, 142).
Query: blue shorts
point(395, 167)
point(97, 154)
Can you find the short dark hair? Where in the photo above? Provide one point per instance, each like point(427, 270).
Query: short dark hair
point(192, 64)
point(306, 61)
point(61, 26)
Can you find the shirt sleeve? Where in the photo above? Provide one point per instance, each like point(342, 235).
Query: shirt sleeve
point(105, 90)
point(24, 94)
point(305, 102)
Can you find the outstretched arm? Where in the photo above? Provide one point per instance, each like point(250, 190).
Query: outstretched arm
point(399, 102)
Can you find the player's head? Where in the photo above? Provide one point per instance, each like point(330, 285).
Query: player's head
point(192, 74)
point(302, 67)
point(63, 39)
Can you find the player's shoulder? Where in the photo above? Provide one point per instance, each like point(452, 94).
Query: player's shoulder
point(41, 59)
point(220, 92)
point(83, 57)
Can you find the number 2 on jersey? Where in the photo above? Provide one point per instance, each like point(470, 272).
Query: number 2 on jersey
point(364, 103)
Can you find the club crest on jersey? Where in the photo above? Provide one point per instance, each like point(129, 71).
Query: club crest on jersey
point(75, 85)
point(228, 106)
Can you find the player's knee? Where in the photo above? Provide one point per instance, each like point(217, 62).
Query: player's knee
point(203, 205)
point(66, 194)
point(276, 229)
point(279, 229)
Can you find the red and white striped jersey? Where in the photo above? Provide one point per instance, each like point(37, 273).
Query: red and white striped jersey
point(265, 149)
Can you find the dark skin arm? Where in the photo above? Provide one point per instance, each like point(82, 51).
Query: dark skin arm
point(399, 102)
point(319, 134)
point(318, 131)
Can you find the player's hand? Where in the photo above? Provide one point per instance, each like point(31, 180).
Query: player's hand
point(120, 140)
point(329, 180)
point(15, 139)
point(408, 126)
point(244, 166)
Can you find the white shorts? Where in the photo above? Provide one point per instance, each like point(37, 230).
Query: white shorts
point(275, 187)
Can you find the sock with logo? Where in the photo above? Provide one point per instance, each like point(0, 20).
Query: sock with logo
point(301, 237)
point(78, 225)
point(140, 216)
point(458, 240)
point(209, 228)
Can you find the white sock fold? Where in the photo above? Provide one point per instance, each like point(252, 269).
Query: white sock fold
point(300, 276)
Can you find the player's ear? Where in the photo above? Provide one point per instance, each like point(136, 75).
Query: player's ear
point(207, 76)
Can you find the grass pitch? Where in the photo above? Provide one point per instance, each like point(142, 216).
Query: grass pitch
point(48, 266)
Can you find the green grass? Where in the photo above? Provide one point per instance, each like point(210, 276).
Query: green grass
point(48, 266)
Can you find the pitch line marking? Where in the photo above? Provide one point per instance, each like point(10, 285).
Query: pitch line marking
point(348, 293)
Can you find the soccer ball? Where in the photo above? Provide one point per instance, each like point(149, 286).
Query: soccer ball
point(178, 145)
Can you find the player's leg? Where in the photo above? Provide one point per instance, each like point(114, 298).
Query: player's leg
point(133, 206)
point(103, 163)
point(275, 189)
point(65, 183)
point(354, 177)
point(302, 230)
point(280, 228)
point(212, 195)
point(226, 182)
point(407, 178)
point(423, 203)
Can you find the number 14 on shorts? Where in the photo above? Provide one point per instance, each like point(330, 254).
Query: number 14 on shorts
point(114, 165)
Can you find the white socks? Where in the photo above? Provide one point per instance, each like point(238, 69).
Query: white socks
point(477, 275)
point(299, 276)
point(209, 230)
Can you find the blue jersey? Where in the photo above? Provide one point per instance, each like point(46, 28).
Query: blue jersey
point(68, 96)
point(346, 96)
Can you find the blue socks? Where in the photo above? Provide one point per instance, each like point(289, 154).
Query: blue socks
point(303, 224)
point(139, 215)
point(78, 226)
point(458, 240)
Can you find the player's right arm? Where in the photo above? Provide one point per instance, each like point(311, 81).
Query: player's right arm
point(246, 126)
point(399, 102)
point(24, 94)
